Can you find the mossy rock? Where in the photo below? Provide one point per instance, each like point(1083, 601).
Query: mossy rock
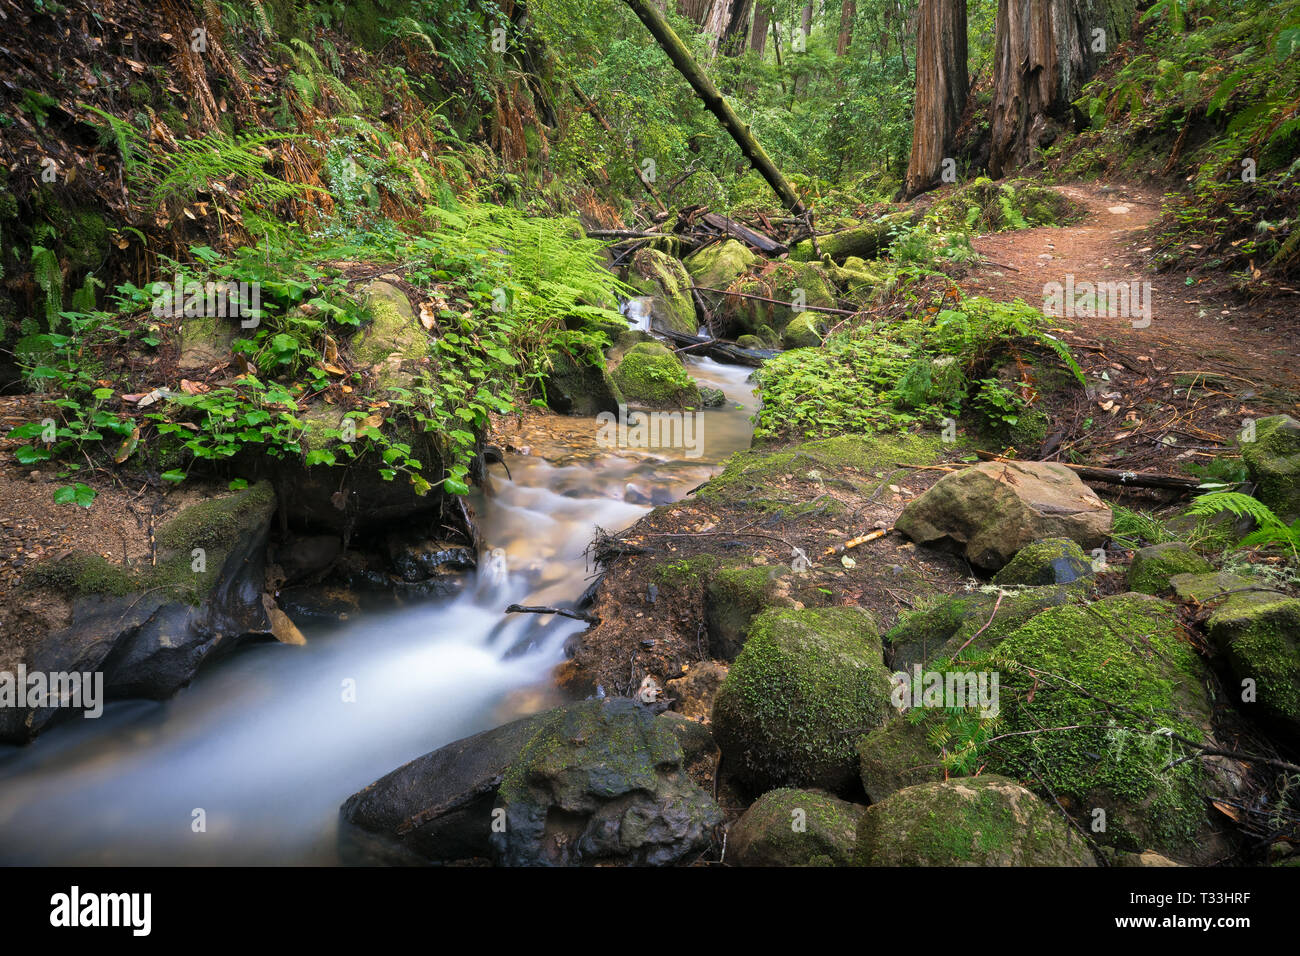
point(807, 683)
point(864, 462)
point(1273, 461)
point(577, 387)
point(712, 397)
point(1127, 650)
point(650, 374)
point(804, 331)
point(970, 821)
point(866, 240)
point(895, 756)
point(666, 280)
point(393, 329)
point(934, 633)
point(732, 598)
point(212, 525)
point(1047, 561)
point(800, 284)
point(861, 279)
point(795, 828)
point(610, 323)
point(602, 780)
point(1205, 587)
point(205, 341)
point(1153, 566)
point(718, 266)
point(1259, 634)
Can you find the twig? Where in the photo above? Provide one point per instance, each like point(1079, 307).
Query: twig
point(563, 612)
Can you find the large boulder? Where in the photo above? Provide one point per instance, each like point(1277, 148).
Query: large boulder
point(1273, 461)
point(807, 683)
point(804, 331)
point(1110, 680)
point(149, 629)
point(650, 374)
point(792, 286)
point(795, 828)
point(602, 780)
point(969, 821)
point(993, 509)
point(668, 284)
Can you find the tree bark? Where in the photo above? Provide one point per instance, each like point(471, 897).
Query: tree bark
point(848, 11)
point(714, 101)
point(941, 89)
point(758, 35)
point(733, 37)
point(697, 10)
point(1045, 51)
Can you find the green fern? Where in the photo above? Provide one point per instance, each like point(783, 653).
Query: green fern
point(49, 277)
point(1271, 530)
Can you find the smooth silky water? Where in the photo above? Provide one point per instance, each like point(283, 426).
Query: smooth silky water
point(263, 741)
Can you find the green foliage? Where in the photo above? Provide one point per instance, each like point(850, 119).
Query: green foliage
point(1272, 531)
point(909, 373)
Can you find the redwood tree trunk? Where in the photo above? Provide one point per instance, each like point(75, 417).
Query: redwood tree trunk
point(1045, 52)
point(941, 89)
point(733, 35)
point(758, 35)
point(848, 11)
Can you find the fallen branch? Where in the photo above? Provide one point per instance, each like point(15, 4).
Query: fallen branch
point(563, 612)
point(764, 298)
point(1115, 476)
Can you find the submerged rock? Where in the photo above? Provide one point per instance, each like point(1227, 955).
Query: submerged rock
point(795, 828)
point(993, 509)
point(969, 821)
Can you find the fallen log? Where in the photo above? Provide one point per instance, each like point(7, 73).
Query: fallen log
point(716, 348)
point(753, 237)
point(1116, 476)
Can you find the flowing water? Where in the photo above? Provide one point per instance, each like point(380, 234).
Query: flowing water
point(264, 744)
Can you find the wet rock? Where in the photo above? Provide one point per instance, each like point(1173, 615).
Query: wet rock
point(795, 828)
point(439, 806)
point(712, 397)
point(305, 556)
point(668, 284)
point(634, 495)
point(318, 605)
point(416, 557)
point(150, 629)
point(602, 781)
point(650, 374)
point(575, 387)
point(969, 821)
point(1049, 561)
point(993, 509)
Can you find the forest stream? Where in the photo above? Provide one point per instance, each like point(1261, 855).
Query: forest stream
point(263, 742)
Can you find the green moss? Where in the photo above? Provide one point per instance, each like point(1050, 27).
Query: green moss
point(660, 275)
point(789, 827)
point(687, 573)
point(650, 374)
point(895, 756)
point(804, 331)
point(1258, 633)
point(720, 264)
point(393, 328)
point(1047, 561)
point(1273, 460)
point(1153, 566)
point(860, 462)
point(807, 683)
point(1126, 650)
point(973, 821)
point(733, 596)
point(216, 521)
